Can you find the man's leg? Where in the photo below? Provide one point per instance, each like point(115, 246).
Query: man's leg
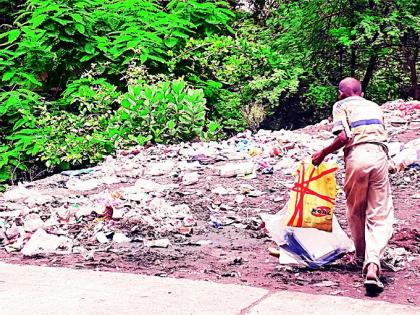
point(379, 213)
point(356, 188)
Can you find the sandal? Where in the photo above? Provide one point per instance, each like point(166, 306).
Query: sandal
point(373, 285)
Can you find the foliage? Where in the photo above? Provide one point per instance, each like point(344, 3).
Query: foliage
point(81, 78)
point(60, 109)
point(164, 112)
point(88, 122)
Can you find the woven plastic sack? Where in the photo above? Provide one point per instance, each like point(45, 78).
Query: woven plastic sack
point(312, 200)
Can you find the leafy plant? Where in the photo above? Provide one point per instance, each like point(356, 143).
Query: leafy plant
point(168, 111)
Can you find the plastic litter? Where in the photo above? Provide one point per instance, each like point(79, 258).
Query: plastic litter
point(78, 172)
point(255, 152)
point(101, 238)
point(237, 169)
point(204, 242)
point(219, 190)
point(394, 148)
point(395, 258)
point(242, 145)
point(308, 247)
point(41, 243)
point(216, 223)
point(145, 206)
point(405, 158)
point(190, 179)
point(164, 243)
point(120, 238)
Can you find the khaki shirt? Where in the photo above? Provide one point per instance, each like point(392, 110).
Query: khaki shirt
point(361, 118)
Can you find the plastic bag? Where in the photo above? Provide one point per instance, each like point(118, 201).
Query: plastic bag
point(306, 247)
point(409, 155)
point(312, 199)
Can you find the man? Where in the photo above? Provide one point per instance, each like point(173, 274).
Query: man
point(360, 128)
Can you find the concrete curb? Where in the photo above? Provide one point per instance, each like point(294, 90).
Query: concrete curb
point(46, 290)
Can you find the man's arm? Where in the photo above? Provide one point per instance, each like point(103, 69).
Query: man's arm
point(337, 144)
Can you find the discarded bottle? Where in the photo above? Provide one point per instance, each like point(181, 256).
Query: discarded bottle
point(232, 170)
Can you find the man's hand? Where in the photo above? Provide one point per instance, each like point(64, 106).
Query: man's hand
point(318, 157)
point(338, 143)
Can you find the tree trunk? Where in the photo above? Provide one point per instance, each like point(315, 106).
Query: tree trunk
point(353, 61)
point(369, 71)
point(415, 88)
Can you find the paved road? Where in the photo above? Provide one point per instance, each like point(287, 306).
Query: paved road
point(45, 290)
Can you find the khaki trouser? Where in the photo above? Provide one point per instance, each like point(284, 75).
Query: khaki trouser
point(370, 210)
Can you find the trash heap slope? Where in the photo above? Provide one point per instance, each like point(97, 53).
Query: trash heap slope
point(162, 195)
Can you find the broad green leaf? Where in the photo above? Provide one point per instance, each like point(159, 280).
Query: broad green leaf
point(77, 17)
point(171, 42)
point(13, 35)
point(80, 28)
point(171, 124)
point(8, 75)
point(89, 48)
point(38, 20)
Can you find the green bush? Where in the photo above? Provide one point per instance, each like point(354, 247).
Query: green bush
point(164, 112)
point(89, 122)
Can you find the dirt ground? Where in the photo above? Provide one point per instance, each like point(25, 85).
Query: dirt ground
point(238, 252)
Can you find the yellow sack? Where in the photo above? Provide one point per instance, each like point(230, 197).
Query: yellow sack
point(312, 200)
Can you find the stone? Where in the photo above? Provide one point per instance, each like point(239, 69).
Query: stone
point(190, 179)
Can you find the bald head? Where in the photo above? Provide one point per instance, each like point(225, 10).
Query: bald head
point(349, 87)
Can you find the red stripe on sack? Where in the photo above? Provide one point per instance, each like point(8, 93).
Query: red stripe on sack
point(301, 187)
point(293, 217)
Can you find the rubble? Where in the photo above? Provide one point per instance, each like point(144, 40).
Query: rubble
point(43, 243)
point(159, 243)
point(120, 238)
point(190, 179)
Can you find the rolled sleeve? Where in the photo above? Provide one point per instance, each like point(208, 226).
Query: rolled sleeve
point(339, 115)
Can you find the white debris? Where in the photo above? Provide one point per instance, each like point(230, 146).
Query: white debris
point(164, 242)
point(82, 185)
point(239, 199)
point(33, 222)
point(101, 237)
point(236, 169)
point(147, 185)
point(190, 178)
point(158, 169)
point(220, 190)
point(42, 243)
point(10, 214)
point(120, 238)
point(31, 197)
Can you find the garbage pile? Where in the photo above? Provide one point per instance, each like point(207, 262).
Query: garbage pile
point(162, 195)
point(400, 112)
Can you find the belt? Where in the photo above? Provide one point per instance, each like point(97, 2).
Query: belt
point(383, 146)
